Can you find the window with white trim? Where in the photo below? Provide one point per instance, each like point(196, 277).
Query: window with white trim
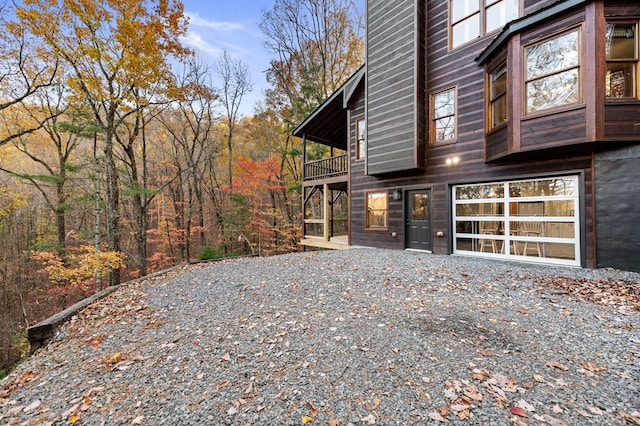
point(537, 220)
point(469, 19)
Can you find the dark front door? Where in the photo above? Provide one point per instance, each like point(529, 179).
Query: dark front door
point(418, 212)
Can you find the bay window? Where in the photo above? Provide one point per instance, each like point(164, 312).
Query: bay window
point(622, 60)
point(552, 71)
point(498, 96)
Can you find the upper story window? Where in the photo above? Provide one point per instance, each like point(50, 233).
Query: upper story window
point(443, 116)
point(472, 18)
point(552, 72)
point(498, 96)
point(622, 60)
point(377, 210)
point(361, 142)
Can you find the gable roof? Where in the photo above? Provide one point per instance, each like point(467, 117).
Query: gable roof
point(328, 123)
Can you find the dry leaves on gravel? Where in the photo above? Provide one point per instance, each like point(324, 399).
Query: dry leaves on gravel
point(624, 294)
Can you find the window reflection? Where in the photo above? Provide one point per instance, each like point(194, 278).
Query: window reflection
point(444, 115)
point(420, 207)
point(376, 210)
point(552, 69)
point(621, 51)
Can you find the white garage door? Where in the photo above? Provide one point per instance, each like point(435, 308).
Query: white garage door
point(535, 220)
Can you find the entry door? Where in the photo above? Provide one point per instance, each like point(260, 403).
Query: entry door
point(418, 213)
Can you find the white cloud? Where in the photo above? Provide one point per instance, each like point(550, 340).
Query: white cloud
point(196, 41)
point(196, 21)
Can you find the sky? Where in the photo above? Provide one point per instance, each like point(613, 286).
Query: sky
point(231, 25)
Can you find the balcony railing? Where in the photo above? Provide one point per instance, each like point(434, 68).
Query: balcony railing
point(325, 168)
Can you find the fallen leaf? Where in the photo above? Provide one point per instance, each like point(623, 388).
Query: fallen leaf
point(553, 421)
point(73, 419)
point(33, 406)
point(592, 367)
point(313, 410)
point(222, 384)
point(226, 357)
point(334, 422)
point(115, 358)
point(538, 378)
point(525, 406)
point(629, 418)
point(518, 411)
point(584, 413)
point(595, 410)
point(559, 366)
point(434, 415)
point(95, 341)
point(376, 401)
point(306, 419)
point(473, 393)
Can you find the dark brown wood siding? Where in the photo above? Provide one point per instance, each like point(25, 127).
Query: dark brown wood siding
point(455, 68)
point(393, 35)
point(622, 121)
point(550, 130)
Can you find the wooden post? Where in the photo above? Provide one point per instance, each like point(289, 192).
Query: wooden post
point(327, 206)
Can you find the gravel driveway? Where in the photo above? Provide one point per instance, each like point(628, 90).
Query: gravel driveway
point(364, 336)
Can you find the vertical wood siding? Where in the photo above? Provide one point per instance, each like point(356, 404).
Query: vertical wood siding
point(393, 33)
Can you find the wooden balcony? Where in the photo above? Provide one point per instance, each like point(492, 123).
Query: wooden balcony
point(326, 168)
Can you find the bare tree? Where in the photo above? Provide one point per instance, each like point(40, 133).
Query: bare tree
point(190, 121)
point(236, 83)
point(318, 44)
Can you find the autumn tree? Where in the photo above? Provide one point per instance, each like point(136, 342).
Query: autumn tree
point(235, 84)
point(49, 152)
point(190, 122)
point(114, 50)
point(22, 74)
point(318, 45)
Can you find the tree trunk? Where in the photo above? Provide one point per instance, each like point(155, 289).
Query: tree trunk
point(112, 202)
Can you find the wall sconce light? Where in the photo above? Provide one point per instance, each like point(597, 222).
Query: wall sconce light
point(397, 194)
point(453, 161)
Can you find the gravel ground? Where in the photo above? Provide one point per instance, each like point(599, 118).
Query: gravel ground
point(344, 337)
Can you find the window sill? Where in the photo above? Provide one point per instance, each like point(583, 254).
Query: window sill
point(443, 143)
point(497, 128)
point(553, 111)
point(376, 229)
point(618, 101)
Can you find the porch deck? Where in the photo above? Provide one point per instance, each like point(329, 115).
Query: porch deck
point(340, 242)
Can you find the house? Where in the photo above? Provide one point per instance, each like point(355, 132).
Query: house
point(507, 129)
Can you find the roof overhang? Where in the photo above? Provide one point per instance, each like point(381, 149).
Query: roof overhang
point(328, 123)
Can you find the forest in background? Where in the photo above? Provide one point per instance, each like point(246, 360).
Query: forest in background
point(122, 152)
